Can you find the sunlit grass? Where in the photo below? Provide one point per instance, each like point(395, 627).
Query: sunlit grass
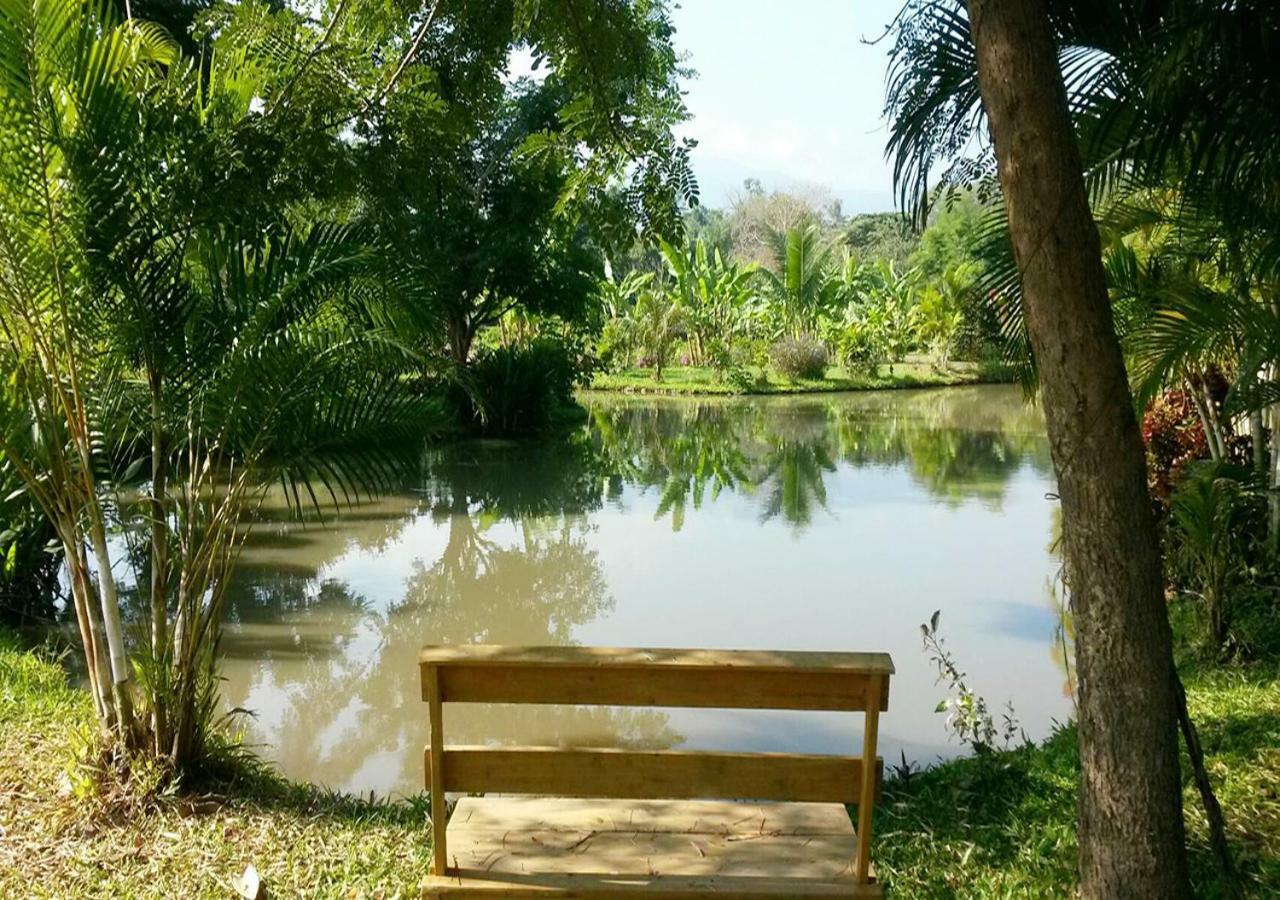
point(701, 380)
point(1004, 825)
point(61, 834)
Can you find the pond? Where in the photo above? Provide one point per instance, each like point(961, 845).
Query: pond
point(834, 522)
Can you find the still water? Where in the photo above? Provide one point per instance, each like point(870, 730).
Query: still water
point(831, 523)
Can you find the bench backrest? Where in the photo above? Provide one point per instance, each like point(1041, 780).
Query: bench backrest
point(728, 679)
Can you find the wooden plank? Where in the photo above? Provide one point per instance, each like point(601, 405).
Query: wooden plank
point(653, 853)
point(868, 792)
point(683, 816)
point(659, 657)
point(436, 769)
point(572, 848)
point(653, 774)
point(529, 886)
point(726, 688)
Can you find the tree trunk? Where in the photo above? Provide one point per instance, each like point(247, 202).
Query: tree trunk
point(113, 629)
point(462, 333)
point(82, 598)
point(1258, 441)
point(159, 564)
point(1273, 517)
point(1209, 420)
point(1130, 806)
point(1271, 372)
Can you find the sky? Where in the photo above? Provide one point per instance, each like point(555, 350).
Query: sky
point(788, 92)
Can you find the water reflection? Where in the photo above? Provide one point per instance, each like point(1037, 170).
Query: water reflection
point(959, 444)
point(658, 523)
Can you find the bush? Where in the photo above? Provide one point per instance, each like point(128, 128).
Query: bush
point(1215, 527)
point(521, 388)
point(1173, 437)
point(799, 358)
point(858, 349)
point(614, 346)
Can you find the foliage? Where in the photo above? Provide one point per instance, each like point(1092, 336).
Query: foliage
point(1189, 247)
point(220, 272)
point(519, 388)
point(951, 238)
point(968, 717)
point(797, 277)
point(799, 358)
point(756, 217)
point(1215, 518)
point(880, 236)
point(482, 234)
point(28, 566)
point(715, 300)
point(856, 285)
point(615, 347)
point(656, 324)
point(1173, 436)
point(884, 317)
point(755, 379)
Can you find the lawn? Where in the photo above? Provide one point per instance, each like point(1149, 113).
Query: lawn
point(1002, 825)
point(699, 380)
point(62, 835)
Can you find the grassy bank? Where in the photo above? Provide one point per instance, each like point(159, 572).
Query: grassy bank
point(698, 380)
point(1004, 826)
point(60, 835)
point(999, 826)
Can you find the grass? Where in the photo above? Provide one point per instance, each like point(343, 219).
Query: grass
point(699, 380)
point(65, 834)
point(1001, 825)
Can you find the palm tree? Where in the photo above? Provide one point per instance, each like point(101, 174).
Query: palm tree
point(799, 278)
point(145, 334)
point(656, 323)
point(65, 71)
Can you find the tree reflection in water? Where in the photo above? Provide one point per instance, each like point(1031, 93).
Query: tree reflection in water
point(492, 542)
point(335, 690)
point(959, 444)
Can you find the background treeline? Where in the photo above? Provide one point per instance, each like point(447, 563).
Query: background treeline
point(785, 280)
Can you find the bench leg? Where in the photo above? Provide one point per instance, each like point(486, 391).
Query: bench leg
point(867, 795)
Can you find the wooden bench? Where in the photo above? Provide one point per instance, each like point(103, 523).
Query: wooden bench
point(795, 839)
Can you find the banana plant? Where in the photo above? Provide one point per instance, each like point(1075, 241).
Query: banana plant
point(716, 298)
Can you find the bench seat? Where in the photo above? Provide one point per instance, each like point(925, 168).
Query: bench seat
point(558, 847)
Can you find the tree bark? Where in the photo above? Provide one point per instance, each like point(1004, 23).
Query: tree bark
point(113, 629)
point(1130, 805)
point(159, 563)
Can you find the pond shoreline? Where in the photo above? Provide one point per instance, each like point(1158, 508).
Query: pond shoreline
point(702, 381)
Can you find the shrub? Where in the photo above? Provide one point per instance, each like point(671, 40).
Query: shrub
point(994, 368)
point(1173, 436)
point(521, 388)
point(799, 358)
point(615, 346)
point(1216, 512)
point(858, 348)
